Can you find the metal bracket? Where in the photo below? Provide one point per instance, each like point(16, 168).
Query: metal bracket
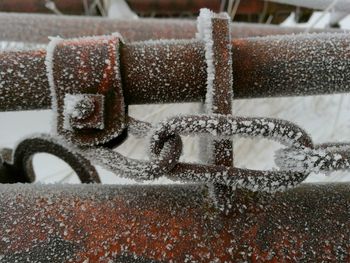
point(86, 89)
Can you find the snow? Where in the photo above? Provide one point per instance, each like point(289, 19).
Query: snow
point(119, 9)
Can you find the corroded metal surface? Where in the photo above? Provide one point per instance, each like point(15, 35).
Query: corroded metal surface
point(166, 148)
point(17, 164)
point(37, 28)
point(262, 67)
point(173, 223)
point(172, 7)
point(86, 68)
point(41, 6)
point(247, 10)
point(27, 82)
point(219, 82)
point(219, 90)
point(233, 215)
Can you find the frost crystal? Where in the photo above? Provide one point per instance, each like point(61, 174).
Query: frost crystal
point(204, 25)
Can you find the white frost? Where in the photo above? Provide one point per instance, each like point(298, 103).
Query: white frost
point(50, 49)
point(204, 25)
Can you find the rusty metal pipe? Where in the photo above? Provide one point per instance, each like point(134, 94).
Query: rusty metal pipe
point(247, 10)
point(171, 7)
point(176, 7)
point(175, 223)
point(37, 28)
point(262, 67)
point(40, 6)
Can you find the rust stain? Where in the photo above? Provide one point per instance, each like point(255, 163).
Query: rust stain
point(163, 223)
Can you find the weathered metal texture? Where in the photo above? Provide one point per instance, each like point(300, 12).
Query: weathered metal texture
point(220, 99)
point(84, 68)
point(40, 6)
point(292, 65)
point(176, 223)
point(219, 90)
point(262, 67)
point(37, 28)
point(181, 75)
point(16, 166)
point(171, 7)
point(299, 159)
point(150, 7)
point(22, 74)
point(247, 10)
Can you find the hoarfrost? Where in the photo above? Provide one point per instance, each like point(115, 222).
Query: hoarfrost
point(170, 224)
point(319, 160)
point(54, 41)
point(204, 25)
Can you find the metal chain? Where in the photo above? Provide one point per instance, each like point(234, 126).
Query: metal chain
point(296, 162)
point(166, 147)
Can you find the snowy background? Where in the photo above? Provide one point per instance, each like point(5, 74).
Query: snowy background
point(325, 118)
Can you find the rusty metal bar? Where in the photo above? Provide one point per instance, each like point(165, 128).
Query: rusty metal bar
point(218, 98)
point(262, 67)
point(99, 223)
point(145, 7)
point(40, 6)
point(37, 28)
point(171, 7)
point(247, 10)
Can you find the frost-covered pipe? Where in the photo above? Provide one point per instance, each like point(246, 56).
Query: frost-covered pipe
point(175, 70)
point(176, 223)
point(36, 28)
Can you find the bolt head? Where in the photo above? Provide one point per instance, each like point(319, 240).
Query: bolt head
point(84, 111)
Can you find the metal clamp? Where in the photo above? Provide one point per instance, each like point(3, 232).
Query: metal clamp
point(86, 89)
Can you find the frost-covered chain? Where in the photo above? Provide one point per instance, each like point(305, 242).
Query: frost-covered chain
point(139, 170)
point(296, 162)
point(166, 147)
point(221, 126)
point(324, 158)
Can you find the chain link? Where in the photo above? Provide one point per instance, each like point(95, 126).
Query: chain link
point(295, 162)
